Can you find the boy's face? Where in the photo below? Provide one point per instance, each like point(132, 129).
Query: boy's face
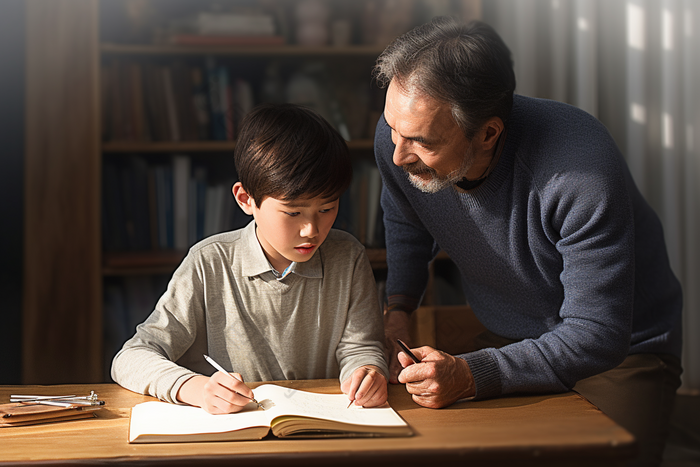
point(289, 230)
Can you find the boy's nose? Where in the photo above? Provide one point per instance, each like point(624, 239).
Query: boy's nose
point(309, 230)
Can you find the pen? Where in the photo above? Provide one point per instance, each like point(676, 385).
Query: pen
point(60, 401)
point(404, 347)
point(220, 368)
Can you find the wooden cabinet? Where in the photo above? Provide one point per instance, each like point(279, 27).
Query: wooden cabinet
point(71, 138)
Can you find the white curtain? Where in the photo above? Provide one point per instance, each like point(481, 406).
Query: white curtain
point(634, 64)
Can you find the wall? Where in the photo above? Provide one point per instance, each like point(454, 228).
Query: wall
point(11, 186)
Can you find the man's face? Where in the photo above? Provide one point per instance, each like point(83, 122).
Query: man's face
point(430, 146)
point(293, 230)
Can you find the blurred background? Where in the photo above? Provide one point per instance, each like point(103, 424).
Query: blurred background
point(118, 119)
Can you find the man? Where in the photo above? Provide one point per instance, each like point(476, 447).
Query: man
point(561, 258)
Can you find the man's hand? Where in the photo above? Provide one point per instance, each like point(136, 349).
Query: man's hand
point(438, 380)
point(366, 387)
point(217, 395)
point(396, 326)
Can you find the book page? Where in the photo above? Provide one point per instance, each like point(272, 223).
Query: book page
point(163, 418)
point(286, 401)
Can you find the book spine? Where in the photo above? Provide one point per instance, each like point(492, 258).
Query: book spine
point(218, 126)
point(181, 178)
point(170, 106)
point(199, 102)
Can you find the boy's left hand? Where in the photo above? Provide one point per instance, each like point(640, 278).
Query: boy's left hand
point(366, 387)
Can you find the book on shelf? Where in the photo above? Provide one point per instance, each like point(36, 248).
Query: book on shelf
point(361, 211)
point(185, 110)
point(154, 102)
point(217, 84)
point(181, 185)
point(196, 204)
point(285, 412)
point(170, 107)
point(200, 102)
point(164, 206)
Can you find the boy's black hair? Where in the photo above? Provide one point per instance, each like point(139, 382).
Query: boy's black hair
point(289, 152)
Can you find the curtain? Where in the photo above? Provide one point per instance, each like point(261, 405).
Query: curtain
point(635, 65)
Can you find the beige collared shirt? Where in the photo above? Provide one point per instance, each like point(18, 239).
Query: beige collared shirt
point(322, 320)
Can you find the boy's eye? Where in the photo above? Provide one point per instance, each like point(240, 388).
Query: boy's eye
point(291, 214)
point(326, 210)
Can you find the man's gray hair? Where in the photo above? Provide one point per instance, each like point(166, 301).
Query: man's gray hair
point(467, 66)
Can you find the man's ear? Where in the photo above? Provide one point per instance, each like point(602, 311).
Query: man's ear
point(490, 132)
point(243, 199)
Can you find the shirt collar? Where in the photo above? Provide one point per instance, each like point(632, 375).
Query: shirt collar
point(256, 262)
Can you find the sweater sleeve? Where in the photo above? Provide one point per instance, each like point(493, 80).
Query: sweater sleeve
point(362, 342)
point(146, 362)
point(409, 246)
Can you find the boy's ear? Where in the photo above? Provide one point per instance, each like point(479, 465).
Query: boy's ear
point(243, 199)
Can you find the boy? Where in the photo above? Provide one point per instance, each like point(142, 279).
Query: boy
point(284, 298)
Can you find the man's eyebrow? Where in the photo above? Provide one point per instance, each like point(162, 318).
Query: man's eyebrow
point(417, 139)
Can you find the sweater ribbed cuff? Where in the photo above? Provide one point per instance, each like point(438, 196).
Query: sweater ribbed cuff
point(487, 377)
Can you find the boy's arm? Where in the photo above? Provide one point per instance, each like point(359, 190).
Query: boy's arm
point(362, 343)
point(146, 362)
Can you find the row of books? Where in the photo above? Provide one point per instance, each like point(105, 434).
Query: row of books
point(148, 101)
point(361, 203)
point(164, 205)
point(171, 204)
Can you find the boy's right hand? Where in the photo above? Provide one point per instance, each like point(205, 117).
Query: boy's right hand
point(219, 394)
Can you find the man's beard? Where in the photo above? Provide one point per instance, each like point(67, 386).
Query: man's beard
point(436, 183)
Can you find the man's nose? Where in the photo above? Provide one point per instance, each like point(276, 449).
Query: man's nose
point(402, 154)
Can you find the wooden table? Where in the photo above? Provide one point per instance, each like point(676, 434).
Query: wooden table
point(562, 429)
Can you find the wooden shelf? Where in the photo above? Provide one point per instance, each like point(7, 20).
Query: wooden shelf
point(194, 146)
point(248, 50)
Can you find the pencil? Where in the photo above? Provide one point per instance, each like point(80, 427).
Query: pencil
point(220, 368)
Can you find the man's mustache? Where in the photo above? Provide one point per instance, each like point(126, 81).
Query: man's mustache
point(416, 168)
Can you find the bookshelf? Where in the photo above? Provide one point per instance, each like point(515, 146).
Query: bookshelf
point(68, 268)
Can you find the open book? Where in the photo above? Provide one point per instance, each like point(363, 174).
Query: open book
point(286, 412)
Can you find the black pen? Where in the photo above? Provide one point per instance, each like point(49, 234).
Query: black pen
point(404, 347)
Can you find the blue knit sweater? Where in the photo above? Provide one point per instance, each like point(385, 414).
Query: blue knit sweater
point(557, 249)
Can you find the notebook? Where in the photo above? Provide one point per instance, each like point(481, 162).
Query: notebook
point(285, 413)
